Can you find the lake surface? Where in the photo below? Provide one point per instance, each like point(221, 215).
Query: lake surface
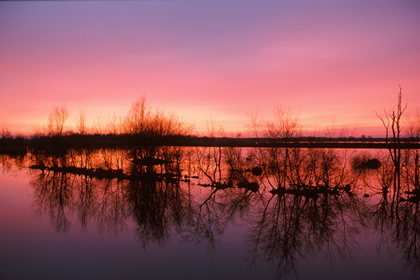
point(210, 213)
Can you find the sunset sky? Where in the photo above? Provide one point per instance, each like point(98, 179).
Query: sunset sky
point(328, 61)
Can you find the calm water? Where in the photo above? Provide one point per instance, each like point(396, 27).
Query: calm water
point(209, 213)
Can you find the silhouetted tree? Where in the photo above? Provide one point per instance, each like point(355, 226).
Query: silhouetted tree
point(5, 133)
point(144, 122)
point(413, 127)
point(285, 124)
point(393, 121)
point(81, 122)
point(254, 124)
point(56, 120)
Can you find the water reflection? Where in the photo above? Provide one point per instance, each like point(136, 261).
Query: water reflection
point(159, 209)
point(295, 203)
point(308, 210)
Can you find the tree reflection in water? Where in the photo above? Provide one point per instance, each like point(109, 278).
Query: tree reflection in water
point(395, 213)
point(159, 208)
point(295, 203)
point(312, 209)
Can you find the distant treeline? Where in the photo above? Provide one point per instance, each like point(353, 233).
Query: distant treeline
point(14, 145)
point(143, 126)
point(20, 145)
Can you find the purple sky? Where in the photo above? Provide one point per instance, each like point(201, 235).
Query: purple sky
point(327, 61)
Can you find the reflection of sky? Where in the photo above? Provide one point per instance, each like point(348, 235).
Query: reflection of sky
point(28, 240)
point(205, 59)
point(31, 249)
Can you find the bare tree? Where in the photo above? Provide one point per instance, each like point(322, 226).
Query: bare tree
point(413, 126)
point(254, 124)
point(392, 120)
point(396, 118)
point(213, 128)
point(285, 124)
point(5, 133)
point(56, 120)
point(114, 124)
point(137, 119)
point(413, 131)
point(142, 121)
point(81, 122)
point(333, 130)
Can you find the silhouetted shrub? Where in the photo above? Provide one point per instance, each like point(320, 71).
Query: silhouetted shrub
point(362, 162)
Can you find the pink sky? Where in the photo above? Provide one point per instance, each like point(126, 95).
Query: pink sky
point(210, 60)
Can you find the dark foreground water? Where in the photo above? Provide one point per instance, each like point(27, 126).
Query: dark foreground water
point(209, 214)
